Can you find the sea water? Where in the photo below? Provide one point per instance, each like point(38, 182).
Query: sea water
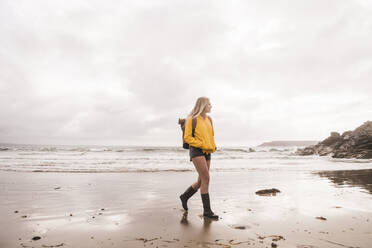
point(116, 159)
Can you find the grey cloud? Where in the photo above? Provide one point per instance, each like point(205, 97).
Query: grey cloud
point(103, 71)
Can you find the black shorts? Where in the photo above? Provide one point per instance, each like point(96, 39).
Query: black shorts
point(196, 152)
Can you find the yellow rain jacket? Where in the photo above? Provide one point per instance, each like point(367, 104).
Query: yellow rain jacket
point(203, 136)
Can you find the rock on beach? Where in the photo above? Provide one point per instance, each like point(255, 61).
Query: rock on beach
point(268, 192)
point(351, 144)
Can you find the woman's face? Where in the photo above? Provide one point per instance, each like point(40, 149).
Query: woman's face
point(208, 107)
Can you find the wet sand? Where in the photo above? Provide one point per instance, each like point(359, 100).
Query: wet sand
point(143, 210)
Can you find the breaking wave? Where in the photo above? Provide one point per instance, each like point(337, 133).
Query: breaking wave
point(110, 159)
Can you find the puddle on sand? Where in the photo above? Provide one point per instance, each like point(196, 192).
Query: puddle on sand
point(354, 178)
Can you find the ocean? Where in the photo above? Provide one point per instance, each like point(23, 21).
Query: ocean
point(117, 159)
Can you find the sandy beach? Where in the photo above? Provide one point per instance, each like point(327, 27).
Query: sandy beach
point(143, 210)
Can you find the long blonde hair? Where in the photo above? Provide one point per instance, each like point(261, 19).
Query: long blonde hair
point(199, 107)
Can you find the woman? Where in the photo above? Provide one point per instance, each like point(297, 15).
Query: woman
point(201, 146)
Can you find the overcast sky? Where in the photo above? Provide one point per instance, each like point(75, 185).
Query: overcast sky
point(122, 72)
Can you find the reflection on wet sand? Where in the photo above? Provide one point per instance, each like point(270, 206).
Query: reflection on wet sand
point(358, 178)
point(206, 221)
point(184, 220)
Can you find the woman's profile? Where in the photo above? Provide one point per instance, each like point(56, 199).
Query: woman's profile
point(201, 144)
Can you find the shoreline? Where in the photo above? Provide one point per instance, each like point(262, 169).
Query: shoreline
point(143, 209)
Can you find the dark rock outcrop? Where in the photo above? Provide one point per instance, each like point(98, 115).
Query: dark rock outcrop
point(351, 144)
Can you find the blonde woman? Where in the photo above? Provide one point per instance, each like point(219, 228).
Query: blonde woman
point(201, 143)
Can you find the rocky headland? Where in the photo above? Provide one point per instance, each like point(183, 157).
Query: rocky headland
point(290, 143)
point(351, 144)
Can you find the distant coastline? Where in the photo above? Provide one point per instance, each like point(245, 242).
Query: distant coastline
point(290, 143)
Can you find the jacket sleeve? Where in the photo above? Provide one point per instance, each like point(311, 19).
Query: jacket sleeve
point(210, 118)
point(212, 127)
point(192, 141)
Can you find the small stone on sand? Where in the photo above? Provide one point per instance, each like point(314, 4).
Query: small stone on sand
point(277, 238)
point(268, 192)
point(240, 227)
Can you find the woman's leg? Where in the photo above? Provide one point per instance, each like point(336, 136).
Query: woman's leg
point(201, 167)
point(202, 164)
point(190, 191)
point(197, 184)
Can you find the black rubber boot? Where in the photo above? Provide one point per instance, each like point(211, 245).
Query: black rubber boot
point(185, 196)
point(207, 207)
